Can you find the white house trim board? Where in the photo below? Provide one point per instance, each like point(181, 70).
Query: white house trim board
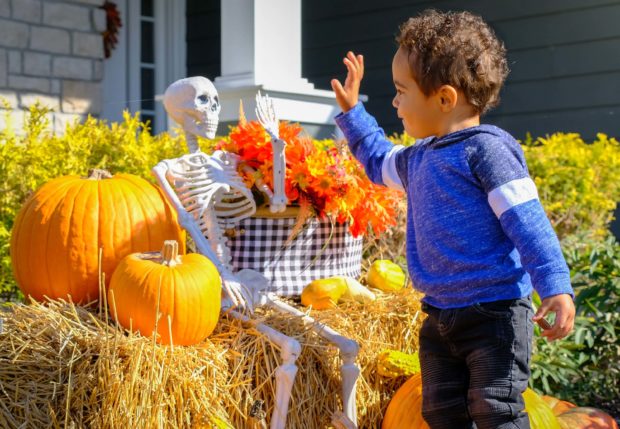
point(115, 79)
point(261, 50)
point(170, 51)
point(313, 108)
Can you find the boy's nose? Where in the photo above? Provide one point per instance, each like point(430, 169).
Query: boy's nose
point(395, 102)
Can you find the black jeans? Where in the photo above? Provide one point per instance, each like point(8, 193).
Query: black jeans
point(475, 365)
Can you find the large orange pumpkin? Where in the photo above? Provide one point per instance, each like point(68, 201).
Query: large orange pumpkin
point(168, 294)
point(586, 418)
point(58, 232)
point(540, 413)
point(557, 405)
point(405, 409)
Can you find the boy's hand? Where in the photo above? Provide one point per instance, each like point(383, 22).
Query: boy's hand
point(564, 309)
point(347, 96)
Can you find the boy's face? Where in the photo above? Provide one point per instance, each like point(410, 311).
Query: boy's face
point(420, 114)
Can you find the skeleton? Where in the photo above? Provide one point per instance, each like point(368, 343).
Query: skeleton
point(209, 196)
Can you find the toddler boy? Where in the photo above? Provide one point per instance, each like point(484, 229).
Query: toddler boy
point(478, 238)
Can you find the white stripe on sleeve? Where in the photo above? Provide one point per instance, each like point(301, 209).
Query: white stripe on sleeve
point(512, 194)
point(388, 169)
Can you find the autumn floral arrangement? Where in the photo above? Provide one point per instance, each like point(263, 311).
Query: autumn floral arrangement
point(322, 177)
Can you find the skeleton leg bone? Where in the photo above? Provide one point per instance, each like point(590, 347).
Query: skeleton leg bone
point(290, 350)
point(349, 349)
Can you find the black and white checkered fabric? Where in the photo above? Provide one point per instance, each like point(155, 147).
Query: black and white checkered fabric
point(320, 250)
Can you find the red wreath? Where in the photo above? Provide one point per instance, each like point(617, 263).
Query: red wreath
point(113, 24)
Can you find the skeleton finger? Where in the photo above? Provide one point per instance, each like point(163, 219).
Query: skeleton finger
point(265, 113)
point(274, 117)
point(231, 295)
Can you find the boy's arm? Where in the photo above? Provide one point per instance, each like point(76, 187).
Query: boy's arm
point(384, 162)
point(347, 96)
point(512, 195)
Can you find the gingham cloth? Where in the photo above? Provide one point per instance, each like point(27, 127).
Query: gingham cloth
point(313, 254)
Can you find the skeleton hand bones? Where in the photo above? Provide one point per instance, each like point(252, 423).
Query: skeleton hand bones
point(266, 115)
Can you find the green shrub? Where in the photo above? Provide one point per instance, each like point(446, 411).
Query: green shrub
point(33, 156)
point(578, 182)
point(584, 368)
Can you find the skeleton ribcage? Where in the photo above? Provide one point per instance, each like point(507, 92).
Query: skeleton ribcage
point(214, 194)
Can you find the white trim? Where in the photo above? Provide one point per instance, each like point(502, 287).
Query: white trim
point(262, 52)
point(114, 83)
point(170, 52)
point(512, 194)
point(132, 21)
point(318, 108)
point(389, 173)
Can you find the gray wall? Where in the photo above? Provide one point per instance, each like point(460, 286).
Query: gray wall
point(51, 53)
point(564, 57)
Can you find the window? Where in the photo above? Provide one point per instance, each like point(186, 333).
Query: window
point(149, 56)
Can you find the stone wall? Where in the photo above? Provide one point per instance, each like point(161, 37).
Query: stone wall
point(51, 51)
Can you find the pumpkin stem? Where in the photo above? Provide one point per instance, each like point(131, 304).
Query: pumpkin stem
point(170, 253)
point(98, 174)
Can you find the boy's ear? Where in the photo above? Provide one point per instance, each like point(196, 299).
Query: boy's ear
point(447, 96)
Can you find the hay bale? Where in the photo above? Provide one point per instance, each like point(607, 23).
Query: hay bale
point(66, 366)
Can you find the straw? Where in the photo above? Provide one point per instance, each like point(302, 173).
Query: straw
point(62, 365)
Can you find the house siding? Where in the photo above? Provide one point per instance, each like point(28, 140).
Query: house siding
point(563, 56)
point(203, 38)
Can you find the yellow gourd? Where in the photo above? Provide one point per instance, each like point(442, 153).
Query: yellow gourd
point(326, 293)
point(385, 275)
point(323, 293)
point(357, 291)
point(394, 363)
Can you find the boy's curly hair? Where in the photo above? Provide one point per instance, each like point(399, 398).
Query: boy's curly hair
point(458, 49)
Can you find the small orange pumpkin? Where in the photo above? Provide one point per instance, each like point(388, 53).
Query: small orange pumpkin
point(586, 418)
point(58, 232)
point(179, 297)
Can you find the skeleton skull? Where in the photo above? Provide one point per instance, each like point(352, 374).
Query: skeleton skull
point(194, 104)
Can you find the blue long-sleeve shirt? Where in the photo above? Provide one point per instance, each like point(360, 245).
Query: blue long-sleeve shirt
point(476, 231)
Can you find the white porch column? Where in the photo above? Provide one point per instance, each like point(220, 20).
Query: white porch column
point(261, 50)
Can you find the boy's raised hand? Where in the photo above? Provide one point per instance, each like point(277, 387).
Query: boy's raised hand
point(564, 309)
point(347, 95)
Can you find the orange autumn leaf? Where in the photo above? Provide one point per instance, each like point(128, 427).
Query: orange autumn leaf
point(321, 172)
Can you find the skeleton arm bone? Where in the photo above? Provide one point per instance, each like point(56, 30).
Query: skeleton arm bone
point(279, 200)
point(238, 294)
